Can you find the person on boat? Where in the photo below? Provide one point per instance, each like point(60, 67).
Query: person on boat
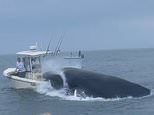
point(79, 53)
point(20, 68)
point(35, 63)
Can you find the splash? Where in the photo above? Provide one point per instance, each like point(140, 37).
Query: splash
point(57, 68)
point(62, 94)
point(47, 89)
point(56, 64)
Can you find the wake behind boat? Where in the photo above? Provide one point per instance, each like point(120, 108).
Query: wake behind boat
point(33, 60)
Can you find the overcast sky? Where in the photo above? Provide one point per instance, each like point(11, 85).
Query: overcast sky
point(85, 24)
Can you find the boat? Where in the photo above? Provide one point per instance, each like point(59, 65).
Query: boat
point(34, 71)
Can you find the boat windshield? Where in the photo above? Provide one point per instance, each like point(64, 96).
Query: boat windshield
point(32, 64)
point(26, 61)
point(36, 64)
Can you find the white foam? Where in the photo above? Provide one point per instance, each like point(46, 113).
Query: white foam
point(56, 64)
point(46, 89)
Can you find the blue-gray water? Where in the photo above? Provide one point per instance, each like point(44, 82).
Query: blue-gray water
point(133, 65)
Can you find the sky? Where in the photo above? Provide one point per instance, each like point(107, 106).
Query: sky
point(85, 24)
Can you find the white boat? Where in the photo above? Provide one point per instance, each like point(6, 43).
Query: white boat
point(34, 72)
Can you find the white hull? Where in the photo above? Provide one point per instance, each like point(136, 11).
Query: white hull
point(21, 83)
point(35, 61)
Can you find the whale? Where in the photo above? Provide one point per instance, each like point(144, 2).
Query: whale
point(92, 84)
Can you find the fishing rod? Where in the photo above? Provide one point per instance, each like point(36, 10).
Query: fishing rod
point(58, 49)
point(47, 50)
point(58, 45)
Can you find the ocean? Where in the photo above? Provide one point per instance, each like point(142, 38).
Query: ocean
point(135, 65)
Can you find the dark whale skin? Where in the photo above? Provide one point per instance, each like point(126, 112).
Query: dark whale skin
point(97, 85)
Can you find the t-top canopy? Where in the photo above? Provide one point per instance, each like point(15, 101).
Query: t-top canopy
point(31, 53)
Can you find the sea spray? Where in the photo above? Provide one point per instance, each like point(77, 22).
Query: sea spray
point(53, 65)
point(65, 85)
point(56, 67)
point(46, 89)
point(75, 93)
point(56, 64)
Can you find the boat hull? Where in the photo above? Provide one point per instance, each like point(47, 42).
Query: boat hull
point(21, 83)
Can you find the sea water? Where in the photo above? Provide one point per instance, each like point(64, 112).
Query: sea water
point(135, 65)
